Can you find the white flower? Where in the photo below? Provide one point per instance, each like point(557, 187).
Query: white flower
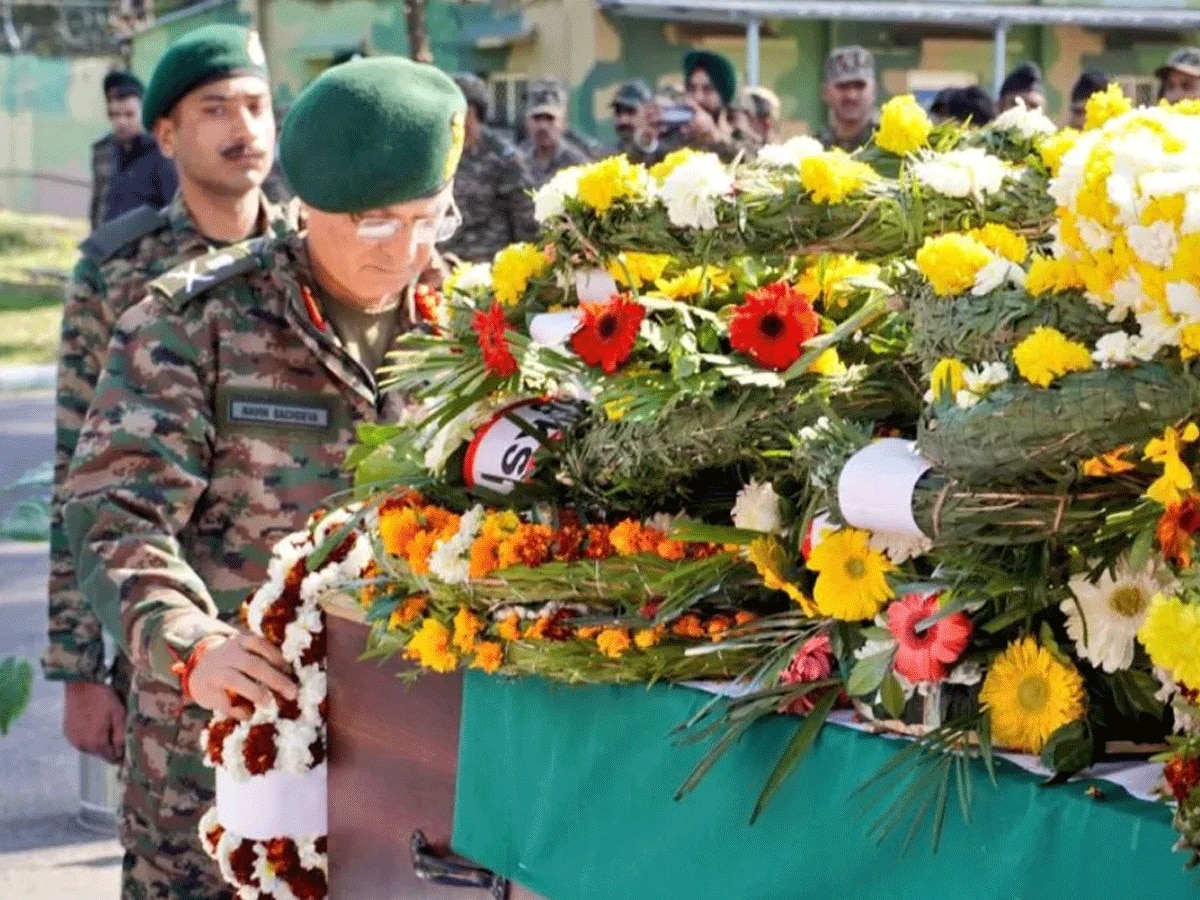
point(449, 560)
point(810, 433)
point(1128, 295)
point(1157, 330)
point(899, 548)
point(1120, 349)
point(1095, 235)
point(1105, 616)
point(1184, 300)
point(1155, 244)
point(691, 192)
point(1028, 123)
point(995, 274)
point(790, 153)
point(550, 200)
point(309, 857)
point(1169, 693)
point(757, 508)
point(469, 277)
point(965, 673)
point(293, 743)
point(232, 758)
point(296, 639)
point(972, 172)
point(1191, 213)
point(447, 439)
point(982, 378)
point(313, 688)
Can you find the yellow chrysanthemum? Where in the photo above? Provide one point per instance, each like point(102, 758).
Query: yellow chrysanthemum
point(1166, 208)
point(672, 161)
point(829, 278)
point(467, 627)
point(1052, 148)
point(768, 557)
point(1171, 635)
point(694, 282)
point(1188, 107)
point(946, 379)
point(645, 638)
point(1189, 341)
point(952, 262)
point(1029, 694)
point(489, 656)
point(1106, 105)
point(832, 176)
point(1176, 479)
point(852, 580)
point(828, 364)
point(634, 270)
point(608, 182)
point(1047, 354)
point(513, 268)
point(1052, 276)
point(509, 628)
point(430, 647)
point(904, 126)
point(1002, 241)
point(614, 642)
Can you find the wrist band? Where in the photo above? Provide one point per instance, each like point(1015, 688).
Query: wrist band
point(183, 669)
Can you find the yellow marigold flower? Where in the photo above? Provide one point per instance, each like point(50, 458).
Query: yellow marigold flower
point(610, 181)
point(397, 525)
point(832, 176)
point(499, 525)
point(672, 161)
point(768, 557)
point(1052, 276)
point(626, 537)
point(617, 409)
point(1171, 635)
point(509, 628)
point(1002, 241)
point(430, 647)
point(407, 612)
point(635, 270)
point(828, 364)
point(1103, 106)
point(694, 282)
point(418, 551)
point(1176, 479)
point(1052, 148)
point(946, 379)
point(614, 642)
point(1047, 354)
point(1188, 107)
point(1111, 463)
point(1029, 694)
point(904, 126)
point(852, 580)
point(513, 268)
point(951, 262)
point(645, 638)
point(489, 656)
point(467, 627)
point(828, 280)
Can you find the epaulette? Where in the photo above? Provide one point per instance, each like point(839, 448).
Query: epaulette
point(110, 238)
point(191, 279)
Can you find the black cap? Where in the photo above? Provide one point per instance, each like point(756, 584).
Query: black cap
point(969, 104)
point(632, 95)
point(475, 89)
point(1025, 77)
point(122, 84)
point(1090, 82)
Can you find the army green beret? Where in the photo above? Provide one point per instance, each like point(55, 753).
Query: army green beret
point(199, 57)
point(373, 132)
point(719, 69)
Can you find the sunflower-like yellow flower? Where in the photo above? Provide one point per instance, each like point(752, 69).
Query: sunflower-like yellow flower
point(832, 176)
point(946, 379)
point(767, 556)
point(904, 126)
point(1052, 276)
point(952, 262)
point(489, 656)
point(672, 161)
point(430, 647)
point(1047, 354)
point(614, 642)
point(1171, 635)
point(829, 278)
point(694, 282)
point(1176, 479)
point(1002, 241)
point(1105, 105)
point(1054, 147)
point(635, 270)
point(610, 181)
point(513, 268)
point(1029, 694)
point(852, 580)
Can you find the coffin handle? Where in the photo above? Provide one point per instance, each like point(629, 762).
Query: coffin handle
point(431, 865)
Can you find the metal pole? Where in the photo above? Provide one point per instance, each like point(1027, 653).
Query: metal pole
point(752, 51)
point(999, 56)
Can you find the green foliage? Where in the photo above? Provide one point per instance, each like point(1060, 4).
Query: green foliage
point(16, 687)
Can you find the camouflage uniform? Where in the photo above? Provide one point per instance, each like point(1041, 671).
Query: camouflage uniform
point(492, 192)
point(118, 260)
point(221, 422)
point(566, 155)
point(860, 139)
point(104, 160)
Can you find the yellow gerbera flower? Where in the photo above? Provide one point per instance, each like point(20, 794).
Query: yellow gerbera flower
point(952, 262)
point(904, 126)
point(694, 282)
point(1105, 105)
point(768, 557)
point(1176, 479)
point(632, 269)
point(1002, 241)
point(513, 268)
point(1171, 635)
point(1046, 354)
point(645, 638)
point(852, 580)
point(1052, 276)
point(610, 181)
point(946, 379)
point(1029, 694)
point(832, 176)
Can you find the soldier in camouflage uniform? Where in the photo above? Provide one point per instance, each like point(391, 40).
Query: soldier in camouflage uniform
point(229, 401)
point(546, 149)
point(492, 188)
point(117, 86)
point(850, 91)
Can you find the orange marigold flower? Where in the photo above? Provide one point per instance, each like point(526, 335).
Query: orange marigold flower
point(397, 525)
point(626, 537)
point(1111, 463)
point(688, 626)
point(614, 642)
point(467, 627)
point(742, 617)
point(537, 631)
point(509, 628)
point(645, 638)
point(430, 647)
point(418, 551)
point(568, 543)
point(587, 632)
point(718, 625)
point(489, 656)
point(1176, 528)
point(368, 593)
point(672, 551)
point(484, 557)
point(649, 538)
point(407, 612)
point(599, 542)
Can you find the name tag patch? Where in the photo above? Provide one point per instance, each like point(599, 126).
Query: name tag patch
point(265, 413)
point(264, 410)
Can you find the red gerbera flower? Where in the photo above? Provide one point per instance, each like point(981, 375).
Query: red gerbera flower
point(925, 655)
point(608, 332)
point(772, 325)
point(812, 662)
point(490, 327)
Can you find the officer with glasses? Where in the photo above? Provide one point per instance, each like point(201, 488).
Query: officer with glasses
point(231, 398)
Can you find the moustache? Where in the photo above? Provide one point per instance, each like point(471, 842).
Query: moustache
point(242, 151)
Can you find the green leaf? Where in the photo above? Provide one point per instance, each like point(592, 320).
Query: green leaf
point(892, 695)
point(371, 435)
point(1069, 749)
point(799, 745)
point(29, 521)
point(16, 687)
point(1134, 692)
point(1139, 553)
point(868, 673)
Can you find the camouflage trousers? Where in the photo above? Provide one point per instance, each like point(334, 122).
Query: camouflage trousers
point(167, 788)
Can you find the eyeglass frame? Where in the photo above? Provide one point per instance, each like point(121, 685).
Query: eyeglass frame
point(378, 231)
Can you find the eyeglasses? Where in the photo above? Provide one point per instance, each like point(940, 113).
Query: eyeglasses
point(428, 230)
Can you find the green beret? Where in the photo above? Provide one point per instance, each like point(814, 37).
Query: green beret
point(719, 69)
point(373, 132)
point(197, 58)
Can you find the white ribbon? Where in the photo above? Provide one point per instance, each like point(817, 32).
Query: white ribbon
point(875, 489)
point(277, 804)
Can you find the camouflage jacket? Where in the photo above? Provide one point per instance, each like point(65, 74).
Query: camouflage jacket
point(860, 139)
point(104, 160)
point(492, 190)
point(566, 155)
point(117, 262)
point(221, 422)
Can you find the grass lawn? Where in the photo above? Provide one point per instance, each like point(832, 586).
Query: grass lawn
point(31, 249)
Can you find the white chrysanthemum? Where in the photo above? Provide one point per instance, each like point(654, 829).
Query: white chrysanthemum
point(333, 521)
point(1122, 196)
point(971, 172)
point(1095, 236)
point(469, 277)
point(757, 508)
point(1158, 330)
point(444, 441)
point(1191, 213)
point(450, 561)
point(1155, 243)
point(1104, 618)
point(313, 687)
point(1168, 693)
point(1128, 296)
point(1028, 123)
point(996, 274)
point(692, 191)
point(296, 639)
point(550, 200)
point(810, 433)
point(233, 759)
point(229, 842)
point(984, 377)
point(899, 548)
point(294, 740)
point(310, 858)
point(1184, 300)
point(790, 153)
point(1120, 349)
point(208, 822)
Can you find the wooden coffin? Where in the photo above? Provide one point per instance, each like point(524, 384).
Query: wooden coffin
point(393, 752)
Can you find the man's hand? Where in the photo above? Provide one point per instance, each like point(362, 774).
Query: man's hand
point(703, 127)
point(243, 665)
point(94, 719)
